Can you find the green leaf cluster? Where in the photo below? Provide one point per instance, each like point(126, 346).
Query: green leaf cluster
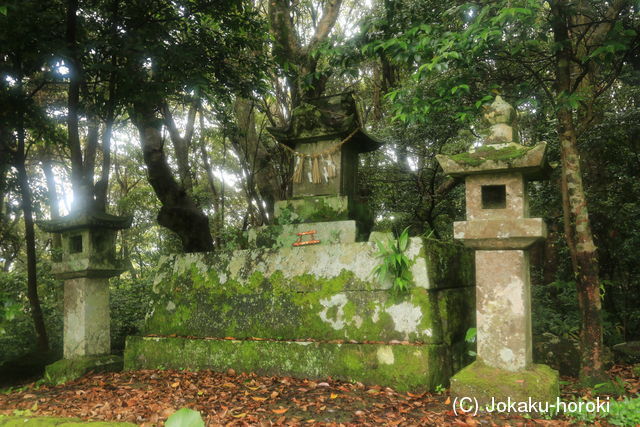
point(395, 264)
point(185, 417)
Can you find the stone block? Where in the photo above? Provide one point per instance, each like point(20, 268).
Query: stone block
point(381, 236)
point(281, 236)
point(316, 293)
point(66, 370)
point(486, 384)
point(309, 292)
point(500, 234)
point(323, 209)
point(86, 317)
point(503, 312)
point(512, 186)
point(331, 314)
point(403, 367)
point(311, 209)
point(329, 260)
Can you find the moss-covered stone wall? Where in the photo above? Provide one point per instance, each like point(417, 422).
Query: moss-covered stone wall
point(318, 293)
point(404, 367)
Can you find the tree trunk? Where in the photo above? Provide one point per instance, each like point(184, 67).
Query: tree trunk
point(54, 203)
point(179, 212)
point(30, 242)
point(256, 160)
point(583, 254)
point(217, 210)
point(82, 197)
point(576, 218)
point(181, 144)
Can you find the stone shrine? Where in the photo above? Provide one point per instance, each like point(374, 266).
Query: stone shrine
point(325, 137)
point(498, 227)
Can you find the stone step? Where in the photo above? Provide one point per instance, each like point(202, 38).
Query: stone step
point(403, 367)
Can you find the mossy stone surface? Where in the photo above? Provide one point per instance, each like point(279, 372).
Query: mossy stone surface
point(16, 421)
point(319, 293)
point(507, 153)
point(311, 209)
point(281, 236)
point(539, 383)
point(497, 157)
point(249, 296)
point(403, 367)
point(65, 370)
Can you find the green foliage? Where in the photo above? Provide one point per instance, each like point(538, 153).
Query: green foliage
point(129, 303)
point(18, 337)
point(395, 263)
point(185, 417)
point(9, 310)
point(471, 337)
point(621, 413)
point(555, 309)
point(625, 412)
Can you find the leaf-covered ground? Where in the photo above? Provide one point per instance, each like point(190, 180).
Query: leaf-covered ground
point(149, 397)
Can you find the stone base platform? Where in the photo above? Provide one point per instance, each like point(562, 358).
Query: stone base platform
point(487, 385)
point(291, 309)
point(69, 369)
point(402, 367)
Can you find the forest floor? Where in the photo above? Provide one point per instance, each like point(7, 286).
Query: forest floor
point(148, 397)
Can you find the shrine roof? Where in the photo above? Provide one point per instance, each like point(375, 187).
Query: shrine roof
point(326, 118)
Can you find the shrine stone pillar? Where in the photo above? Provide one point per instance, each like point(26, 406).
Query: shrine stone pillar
point(499, 228)
point(87, 262)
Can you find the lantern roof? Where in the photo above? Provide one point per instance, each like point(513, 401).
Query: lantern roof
point(500, 150)
point(84, 220)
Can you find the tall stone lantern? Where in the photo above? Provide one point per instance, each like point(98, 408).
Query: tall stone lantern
point(87, 262)
point(498, 226)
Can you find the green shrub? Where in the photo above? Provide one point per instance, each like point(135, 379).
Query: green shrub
point(395, 263)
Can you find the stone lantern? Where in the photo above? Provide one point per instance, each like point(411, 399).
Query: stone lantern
point(325, 137)
point(88, 260)
point(499, 228)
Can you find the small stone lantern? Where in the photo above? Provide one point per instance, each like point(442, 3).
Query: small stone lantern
point(499, 228)
point(88, 260)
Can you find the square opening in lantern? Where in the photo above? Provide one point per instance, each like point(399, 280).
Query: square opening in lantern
point(494, 197)
point(75, 244)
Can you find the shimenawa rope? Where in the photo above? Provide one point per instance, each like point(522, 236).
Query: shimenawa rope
point(315, 159)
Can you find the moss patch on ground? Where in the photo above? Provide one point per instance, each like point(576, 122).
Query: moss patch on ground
point(14, 421)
